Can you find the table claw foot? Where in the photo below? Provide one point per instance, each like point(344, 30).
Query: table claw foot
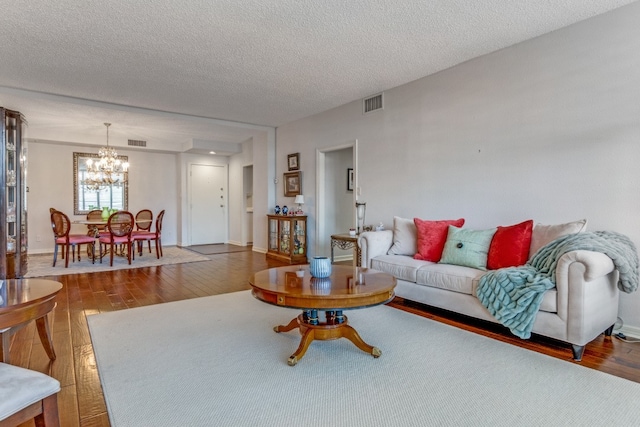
point(306, 339)
point(286, 328)
point(349, 333)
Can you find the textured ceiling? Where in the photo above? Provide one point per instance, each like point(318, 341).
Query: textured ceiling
point(258, 62)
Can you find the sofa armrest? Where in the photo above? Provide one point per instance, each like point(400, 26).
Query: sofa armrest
point(374, 243)
point(587, 294)
point(594, 265)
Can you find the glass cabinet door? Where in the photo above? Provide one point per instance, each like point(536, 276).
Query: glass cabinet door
point(273, 234)
point(13, 214)
point(300, 237)
point(285, 235)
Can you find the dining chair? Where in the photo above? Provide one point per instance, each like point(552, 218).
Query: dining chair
point(61, 236)
point(96, 215)
point(120, 228)
point(156, 236)
point(144, 221)
point(28, 396)
point(52, 210)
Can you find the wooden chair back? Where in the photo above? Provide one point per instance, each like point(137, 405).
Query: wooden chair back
point(120, 224)
point(60, 224)
point(159, 222)
point(96, 215)
point(144, 215)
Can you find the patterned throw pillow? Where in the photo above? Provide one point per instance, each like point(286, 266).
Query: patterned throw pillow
point(467, 247)
point(431, 237)
point(510, 246)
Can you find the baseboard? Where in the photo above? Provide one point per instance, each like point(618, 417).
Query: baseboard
point(40, 252)
point(630, 331)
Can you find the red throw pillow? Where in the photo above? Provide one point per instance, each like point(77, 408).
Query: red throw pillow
point(510, 246)
point(432, 236)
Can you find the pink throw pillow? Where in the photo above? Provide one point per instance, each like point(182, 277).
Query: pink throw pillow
point(432, 235)
point(510, 246)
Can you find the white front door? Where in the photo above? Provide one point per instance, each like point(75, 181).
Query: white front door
point(208, 204)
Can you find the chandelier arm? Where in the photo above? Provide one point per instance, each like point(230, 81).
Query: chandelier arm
point(108, 170)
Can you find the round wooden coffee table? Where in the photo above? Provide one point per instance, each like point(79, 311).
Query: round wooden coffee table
point(346, 288)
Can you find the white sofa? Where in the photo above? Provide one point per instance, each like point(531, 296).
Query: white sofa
point(583, 304)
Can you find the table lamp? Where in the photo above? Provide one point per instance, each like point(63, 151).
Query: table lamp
point(361, 208)
point(300, 201)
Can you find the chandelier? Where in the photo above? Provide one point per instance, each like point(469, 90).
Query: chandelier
point(108, 170)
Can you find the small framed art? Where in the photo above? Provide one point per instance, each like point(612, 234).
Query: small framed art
point(293, 161)
point(292, 184)
point(350, 179)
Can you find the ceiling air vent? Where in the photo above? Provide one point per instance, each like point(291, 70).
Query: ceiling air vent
point(137, 143)
point(372, 103)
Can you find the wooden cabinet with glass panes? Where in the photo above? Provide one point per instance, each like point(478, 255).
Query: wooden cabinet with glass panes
point(287, 238)
point(13, 209)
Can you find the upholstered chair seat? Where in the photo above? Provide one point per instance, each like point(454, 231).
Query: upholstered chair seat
point(27, 395)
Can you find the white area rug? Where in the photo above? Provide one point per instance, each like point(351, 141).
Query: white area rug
point(40, 265)
point(216, 361)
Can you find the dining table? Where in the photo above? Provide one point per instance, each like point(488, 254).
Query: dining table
point(94, 225)
point(93, 229)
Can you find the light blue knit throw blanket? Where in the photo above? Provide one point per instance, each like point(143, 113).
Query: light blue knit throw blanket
point(513, 295)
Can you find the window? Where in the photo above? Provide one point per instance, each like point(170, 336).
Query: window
point(85, 200)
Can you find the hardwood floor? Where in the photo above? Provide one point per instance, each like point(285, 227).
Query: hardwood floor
point(81, 402)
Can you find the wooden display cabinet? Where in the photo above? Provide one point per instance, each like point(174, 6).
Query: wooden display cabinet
point(13, 196)
point(287, 239)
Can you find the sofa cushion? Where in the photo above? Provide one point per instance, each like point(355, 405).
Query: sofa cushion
point(400, 266)
point(431, 237)
point(404, 237)
point(467, 247)
point(543, 234)
point(454, 278)
point(510, 246)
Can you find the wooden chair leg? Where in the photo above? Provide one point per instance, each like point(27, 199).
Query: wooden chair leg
point(49, 416)
point(66, 259)
point(55, 254)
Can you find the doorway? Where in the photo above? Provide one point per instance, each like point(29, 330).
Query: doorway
point(208, 207)
point(336, 201)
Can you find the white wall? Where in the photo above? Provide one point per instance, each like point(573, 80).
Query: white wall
point(152, 185)
point(264, 187)
point(237, 209)
point(548, 129)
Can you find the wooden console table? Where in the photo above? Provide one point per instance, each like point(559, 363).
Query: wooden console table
point(346, 241)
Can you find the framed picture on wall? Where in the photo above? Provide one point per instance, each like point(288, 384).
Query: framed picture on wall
point(293, 161)
point(350, 179)
point(292, 184)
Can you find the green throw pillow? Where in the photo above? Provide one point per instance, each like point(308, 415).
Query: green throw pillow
point(467, 247)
